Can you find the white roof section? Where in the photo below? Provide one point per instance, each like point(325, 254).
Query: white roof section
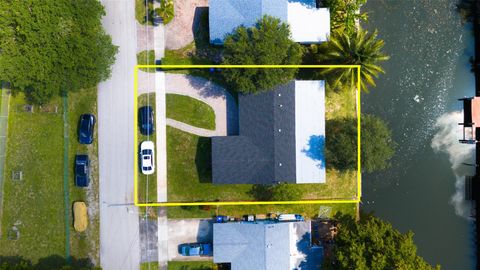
point(308, 24)
point(310, 131)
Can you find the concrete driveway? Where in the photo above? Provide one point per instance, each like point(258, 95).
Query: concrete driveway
point(181, 231)
point(119, 219)
point(222, 103)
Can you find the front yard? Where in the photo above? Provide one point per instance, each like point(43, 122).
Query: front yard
point(33, 224)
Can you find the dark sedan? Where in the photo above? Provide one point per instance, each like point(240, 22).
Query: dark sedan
point(85, 128)
point(82, 170)
point(146, 120)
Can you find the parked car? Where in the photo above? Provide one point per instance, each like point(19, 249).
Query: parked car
point(158, 62)
point(196, 249)
point(82, 170)
point(146, 120)
point(222, 219)
point(80, 216)
point(85, 128)
point(156, 18)
point(147, 157)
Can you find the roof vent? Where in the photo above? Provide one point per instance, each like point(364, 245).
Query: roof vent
point(280, 164)
point(279, 130)
point(279, 94)
point(280, 105)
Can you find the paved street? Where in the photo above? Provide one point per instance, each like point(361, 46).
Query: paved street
point(119, 220)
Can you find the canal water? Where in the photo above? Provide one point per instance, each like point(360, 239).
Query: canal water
point(429, 69)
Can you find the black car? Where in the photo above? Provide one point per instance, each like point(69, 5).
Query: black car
point(82, 170)
point(85, 128)
point(158, 62)
point(145, 114)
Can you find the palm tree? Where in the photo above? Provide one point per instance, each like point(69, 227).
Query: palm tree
point(359, 48)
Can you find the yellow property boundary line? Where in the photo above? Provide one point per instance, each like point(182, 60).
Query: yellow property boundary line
point(334, 201)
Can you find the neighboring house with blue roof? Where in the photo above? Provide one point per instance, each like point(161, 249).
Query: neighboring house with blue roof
point(265, 246)
point(308, 23)
point(281, 138)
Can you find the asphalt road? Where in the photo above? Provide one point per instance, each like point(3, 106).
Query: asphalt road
point(119, 220)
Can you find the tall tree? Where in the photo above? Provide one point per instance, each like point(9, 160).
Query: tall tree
point(373, 244)
point(360, 48)
point(266, 43)
point(341, 143)
point(52, 46)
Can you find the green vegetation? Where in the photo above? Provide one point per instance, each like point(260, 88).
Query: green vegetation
point(344, 14)
point(166, 11)
point(189, 175)
point(53, 262)
point(279, 192)
point(146, 58)
point(374, 244)
point(190, 111)
point(141, 11)
point(267, 43)
point(205, 265)
point(47, 47)
point(86, 244)
point(360, 48)
point(147, 184)
point(306, 210)
point(377, 144)
point(149, 266)
point(35, 205)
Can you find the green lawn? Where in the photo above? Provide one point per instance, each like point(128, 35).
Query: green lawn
point(149, 266)
point(35, 205)
point(146, 58)
point(147, 184)
point(189, 175)
point(190, 111)
point(140, 14)
point(176, 265)
point(87, 243)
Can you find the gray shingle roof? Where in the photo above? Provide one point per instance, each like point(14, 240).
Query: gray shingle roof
point(226, 15)
point(264, 151)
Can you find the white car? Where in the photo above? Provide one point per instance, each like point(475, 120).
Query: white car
point(147, 156)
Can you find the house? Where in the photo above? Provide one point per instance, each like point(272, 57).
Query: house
point(265, 246)
point(281, 138)
point(308, 23)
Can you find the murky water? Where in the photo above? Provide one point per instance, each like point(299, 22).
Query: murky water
point(429, 69)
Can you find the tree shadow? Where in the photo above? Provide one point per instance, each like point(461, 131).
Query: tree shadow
point(312, 256)
point(316, 150)
point(53, 262)
point(203, 159)
point(261, 192)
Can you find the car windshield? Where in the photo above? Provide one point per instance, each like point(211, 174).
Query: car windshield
point(81, 169)
point(147, 168)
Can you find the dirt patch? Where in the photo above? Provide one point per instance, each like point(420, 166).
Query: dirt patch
point(179, 32)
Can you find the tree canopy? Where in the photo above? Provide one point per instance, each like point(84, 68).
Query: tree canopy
point(373, 244)
point(51, 46)
point(266, 43)
point(341, 143)
point(359, 48)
